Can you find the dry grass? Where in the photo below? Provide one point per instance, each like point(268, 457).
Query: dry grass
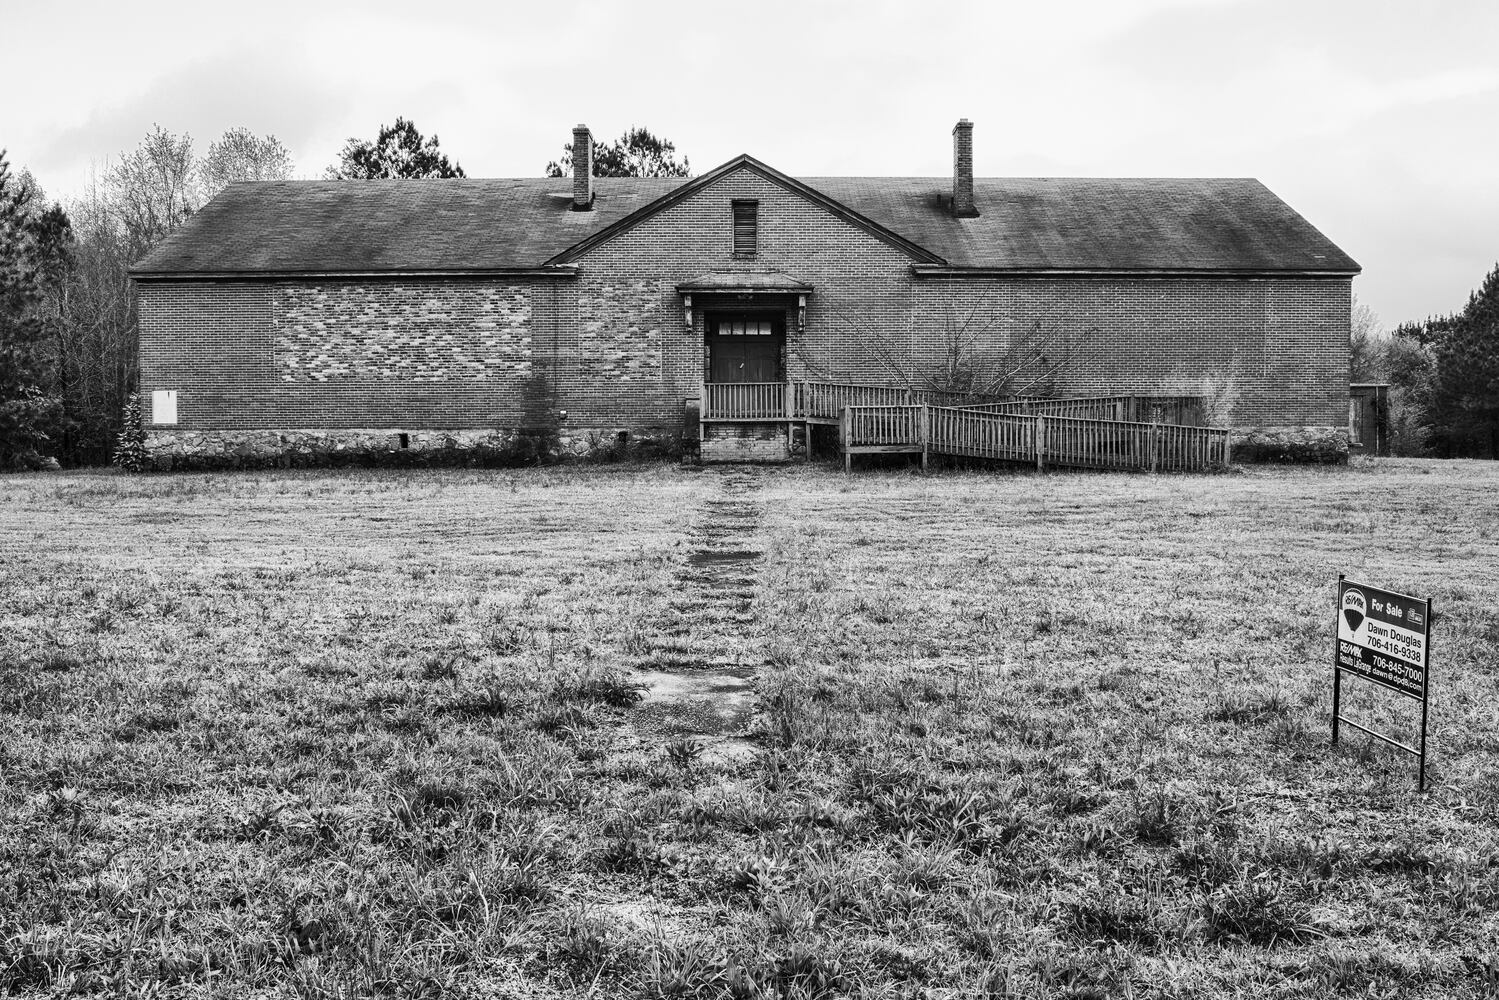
point(360, 733)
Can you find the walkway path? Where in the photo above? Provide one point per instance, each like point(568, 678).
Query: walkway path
point(701, 658)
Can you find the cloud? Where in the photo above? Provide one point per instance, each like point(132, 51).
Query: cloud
point(1232, 76)
point(1442, 85)
point(267, 92)
point(1368, 116)
point(1411, 206)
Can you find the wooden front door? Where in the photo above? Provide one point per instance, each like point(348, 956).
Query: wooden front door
point(745, 347)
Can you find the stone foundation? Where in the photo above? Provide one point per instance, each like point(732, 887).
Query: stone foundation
point(749, 442)
point(1315, 445)
point(221, 449)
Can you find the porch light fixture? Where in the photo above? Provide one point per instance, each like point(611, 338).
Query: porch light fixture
point(801, 314)
point(687, 310)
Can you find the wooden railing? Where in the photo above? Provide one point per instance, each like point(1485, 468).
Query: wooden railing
point(1185, 411)
point(745, 400)
point(827, 400)
point(1086, 407)
point(1075, 442)
point(884, 428)
point(973, 433)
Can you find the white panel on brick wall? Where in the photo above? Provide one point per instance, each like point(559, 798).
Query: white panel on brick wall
point(164, 406)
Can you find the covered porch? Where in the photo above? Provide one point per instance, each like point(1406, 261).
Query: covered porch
point(748, 320)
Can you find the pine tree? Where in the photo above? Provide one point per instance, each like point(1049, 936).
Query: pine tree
point(1460, 399)
point(130, 445)
point(27, 412)
point(637, 153)
point(399, 150)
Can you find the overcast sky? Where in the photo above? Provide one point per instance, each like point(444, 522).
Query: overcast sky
point(1376, 120)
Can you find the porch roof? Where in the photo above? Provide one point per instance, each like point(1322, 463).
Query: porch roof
point(745, 283)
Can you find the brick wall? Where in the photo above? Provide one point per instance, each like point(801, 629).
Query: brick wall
point(211, 343)
point(1278, 347)
point(440, 354)
point(429, 354)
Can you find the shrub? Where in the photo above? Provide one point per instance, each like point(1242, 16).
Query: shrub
point(130, 444)
point(25, 420)
point(539, 437)
point(1219, 392)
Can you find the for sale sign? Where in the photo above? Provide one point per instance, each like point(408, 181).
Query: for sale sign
point(1386, 638)
point(1383, 637)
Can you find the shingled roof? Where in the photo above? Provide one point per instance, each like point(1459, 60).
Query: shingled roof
point(476, 226)
point(1105, 224)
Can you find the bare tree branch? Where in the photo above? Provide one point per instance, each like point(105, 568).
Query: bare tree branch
point(972, 356)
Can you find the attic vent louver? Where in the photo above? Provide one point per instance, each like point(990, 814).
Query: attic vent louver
point(746, 226)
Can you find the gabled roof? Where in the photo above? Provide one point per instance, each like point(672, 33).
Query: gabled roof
point(466, 226)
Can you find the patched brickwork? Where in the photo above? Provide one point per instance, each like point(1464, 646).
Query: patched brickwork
point(745, 443)
point(620, 335)
point(400, 332)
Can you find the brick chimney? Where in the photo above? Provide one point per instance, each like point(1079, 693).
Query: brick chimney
point(582, 169)
point(962, 170)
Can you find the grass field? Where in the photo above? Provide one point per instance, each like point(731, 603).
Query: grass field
point(381, 733)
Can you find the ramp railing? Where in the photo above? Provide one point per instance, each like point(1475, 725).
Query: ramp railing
point(1073, 442)
point(825, 401)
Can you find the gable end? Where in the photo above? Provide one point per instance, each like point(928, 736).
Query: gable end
point(918, 253)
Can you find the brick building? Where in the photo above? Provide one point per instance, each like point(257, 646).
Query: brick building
point(308, 316)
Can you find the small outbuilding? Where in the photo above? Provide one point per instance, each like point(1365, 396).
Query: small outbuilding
point(1369, 418)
